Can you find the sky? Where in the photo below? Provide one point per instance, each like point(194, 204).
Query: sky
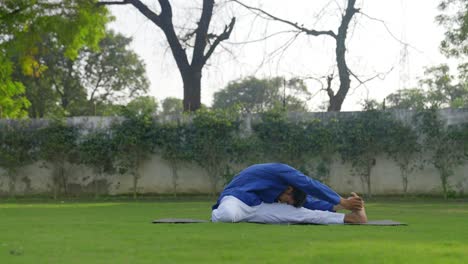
point(389, 42)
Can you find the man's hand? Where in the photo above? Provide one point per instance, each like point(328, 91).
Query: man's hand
point(353, 203)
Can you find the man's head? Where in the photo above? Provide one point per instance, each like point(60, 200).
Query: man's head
point(292, 196)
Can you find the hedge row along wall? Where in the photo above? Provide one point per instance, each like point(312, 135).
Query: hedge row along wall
point(375, 152)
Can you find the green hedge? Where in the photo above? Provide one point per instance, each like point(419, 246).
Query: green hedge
point(215, 141)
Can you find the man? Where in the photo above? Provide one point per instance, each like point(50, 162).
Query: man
point(278, 193)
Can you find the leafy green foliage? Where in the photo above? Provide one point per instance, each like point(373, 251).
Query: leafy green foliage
point(174, 147)
point(73, 24)
point(455, 20)
point(443, 90)
point(143, 106)
point(113, 73)
point(134, 139)
point(13, 103)
point(212, 136)
point(86, 85)
point(96, 151)
point(362, 139)
point(58, 146)
point(411, 99)
point(283, 140)
point(446, 145)
point(172, 106)
point(438, 89)
point(17, 149)
point(323, 138)
point(254, 95)
point(403, 146)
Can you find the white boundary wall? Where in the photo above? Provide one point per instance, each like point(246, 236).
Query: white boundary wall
point(157, 177)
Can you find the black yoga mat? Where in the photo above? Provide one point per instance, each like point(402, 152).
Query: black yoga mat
point(192, 221)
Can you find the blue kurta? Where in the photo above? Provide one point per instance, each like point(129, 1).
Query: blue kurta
point(265, 182)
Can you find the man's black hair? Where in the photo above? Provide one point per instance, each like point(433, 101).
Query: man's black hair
point(299, 197)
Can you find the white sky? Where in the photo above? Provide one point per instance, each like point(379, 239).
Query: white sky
point(371, 48)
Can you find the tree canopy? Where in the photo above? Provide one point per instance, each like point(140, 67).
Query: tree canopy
point(254, 95)
point(73, 24)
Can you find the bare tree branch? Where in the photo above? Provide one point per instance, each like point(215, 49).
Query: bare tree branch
point(262, 39)
point(300, 27)
point(223, 36)
point(329, 90)
point(102, 3)
point(390, 32)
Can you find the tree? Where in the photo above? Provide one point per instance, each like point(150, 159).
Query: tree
point(199, 40)
point(144, 106)
point(438, 89)
point(445, 90)
point(172, 106)
point(13, 103)
point(404, 148)
point(445, 144)
point(16, 150)
point(114, 72)
point(212, 138)
point(323, 137)
point(284, 141)
point(361, 141)
point(134, 140)
point(254, 95)
point(344, 73)
point(454, 18)
point(411, 99)
point(96, 150)
point(87, 84)
point(442, 91)
point(58, 144)
point(173, 145)
point(23, 23)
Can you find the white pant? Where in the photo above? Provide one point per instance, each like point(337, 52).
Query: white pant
point(232, 209)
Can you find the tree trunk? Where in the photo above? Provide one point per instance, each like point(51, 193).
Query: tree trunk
point(96, 186)
point(404, 175)
point(368, 179)
point(135, 184)
point(12, 183)
point(191, 72)
point(55, 181)
point(175, 176)
point(192, 89)
point(343, 72)
point(443, 178)
point(64, 180)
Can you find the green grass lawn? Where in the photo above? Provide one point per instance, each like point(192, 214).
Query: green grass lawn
point(121, 232)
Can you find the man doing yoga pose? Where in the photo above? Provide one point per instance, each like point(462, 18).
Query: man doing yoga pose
point(278, 193)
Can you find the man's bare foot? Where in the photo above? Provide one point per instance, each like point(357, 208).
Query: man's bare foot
point(357, 216)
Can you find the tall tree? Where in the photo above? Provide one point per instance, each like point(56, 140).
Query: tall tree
point(86, 85)
point(337, 98)
point(200, 41)
point(16, 150)
point(412, 99)
point(74, 23)
point(172, 106)
point(254, 95)
point(114, 72)
point(443, 88)
point(12, 100)
point(454, 18)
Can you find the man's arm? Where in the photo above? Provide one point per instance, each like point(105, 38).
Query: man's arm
point(316, 189)
point(316, 204)
point(308, 185)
